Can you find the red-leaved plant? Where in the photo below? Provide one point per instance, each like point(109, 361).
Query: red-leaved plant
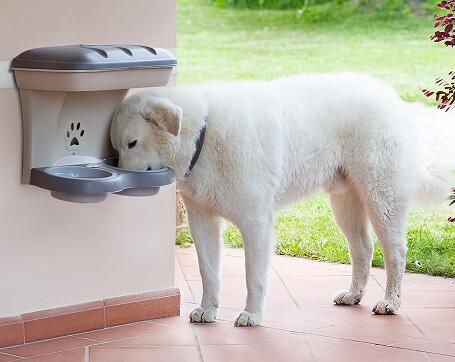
point(445, 22)
point(446, 33)
point(452, 201)
point(446, 94)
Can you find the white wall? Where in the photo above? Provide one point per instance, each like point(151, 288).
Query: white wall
point(54, 253)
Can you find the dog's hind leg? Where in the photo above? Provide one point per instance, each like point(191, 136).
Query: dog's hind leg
point(351, 216)
point(258, 239)
point(388, 216)
point(206, 232)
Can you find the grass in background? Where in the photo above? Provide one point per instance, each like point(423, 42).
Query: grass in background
point(267, 4)
point(238, 43)
point(384, 6)
point(388, 40)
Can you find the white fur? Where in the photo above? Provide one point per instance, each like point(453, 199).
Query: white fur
point(269, 143)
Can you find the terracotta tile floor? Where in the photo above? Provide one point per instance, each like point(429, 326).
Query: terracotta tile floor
point(300, 324)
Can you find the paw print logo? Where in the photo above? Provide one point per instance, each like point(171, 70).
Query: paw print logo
point(74, 135)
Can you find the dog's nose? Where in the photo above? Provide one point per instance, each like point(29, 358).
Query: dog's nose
point(149, 168)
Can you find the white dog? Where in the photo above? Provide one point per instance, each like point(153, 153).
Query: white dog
point(269, 143)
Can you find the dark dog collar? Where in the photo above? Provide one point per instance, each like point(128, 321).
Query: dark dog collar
point(199, 144)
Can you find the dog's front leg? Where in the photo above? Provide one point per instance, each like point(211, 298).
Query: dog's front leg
point(205, 230)
point(258, 240)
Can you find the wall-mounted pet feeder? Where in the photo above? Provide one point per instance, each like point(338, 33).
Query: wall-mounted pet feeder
point(68, 95)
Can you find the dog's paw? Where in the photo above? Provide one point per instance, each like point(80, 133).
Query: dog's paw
point(246, 319)
point(202, 315)
point(385, 307)
point(347, 298)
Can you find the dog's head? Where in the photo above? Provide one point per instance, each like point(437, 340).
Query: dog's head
point(140, 126)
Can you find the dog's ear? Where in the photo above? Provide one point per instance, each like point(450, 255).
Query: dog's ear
point(165, 115)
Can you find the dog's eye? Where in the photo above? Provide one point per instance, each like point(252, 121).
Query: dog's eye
point(132, 144)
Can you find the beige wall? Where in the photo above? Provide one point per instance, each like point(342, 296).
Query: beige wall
point(54, 253)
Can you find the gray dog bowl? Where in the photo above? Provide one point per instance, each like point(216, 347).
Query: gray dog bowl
point(92, 182)
point(78, 172)
point(140, 182)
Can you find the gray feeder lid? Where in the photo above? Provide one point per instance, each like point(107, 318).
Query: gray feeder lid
point(85, 57)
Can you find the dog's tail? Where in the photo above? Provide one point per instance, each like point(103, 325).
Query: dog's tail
point(435, 184)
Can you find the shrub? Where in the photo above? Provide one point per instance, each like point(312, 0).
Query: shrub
point(445, 32)
point(445, 95)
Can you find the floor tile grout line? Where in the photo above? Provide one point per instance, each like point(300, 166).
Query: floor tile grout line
point(76, 335)
point(331, 337)
point(201, 357)
point(402, 307)
point(328, 325)
point(50, 353)
point(310, 349)
point(150, 346)
point(367, 330)
point(186, 280)
point(198, 344)
point(343, 339)
point(285, 286)
point(426, 307)
point(397, 335)
point(371, 328)
point(98, 345)
point(303, 307)
point(285, 330)
point(97, 342)
point(87, 354)
point(12, 355)
point(379, 344)
point(41, 341)
point(425, 354)
point(377, 282)
point(110, 328)
point(414, 324)
point(310, 330)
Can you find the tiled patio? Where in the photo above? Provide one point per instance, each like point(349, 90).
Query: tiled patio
point(300, 324)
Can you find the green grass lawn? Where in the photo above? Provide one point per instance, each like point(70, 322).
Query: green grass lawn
point(226, 43)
